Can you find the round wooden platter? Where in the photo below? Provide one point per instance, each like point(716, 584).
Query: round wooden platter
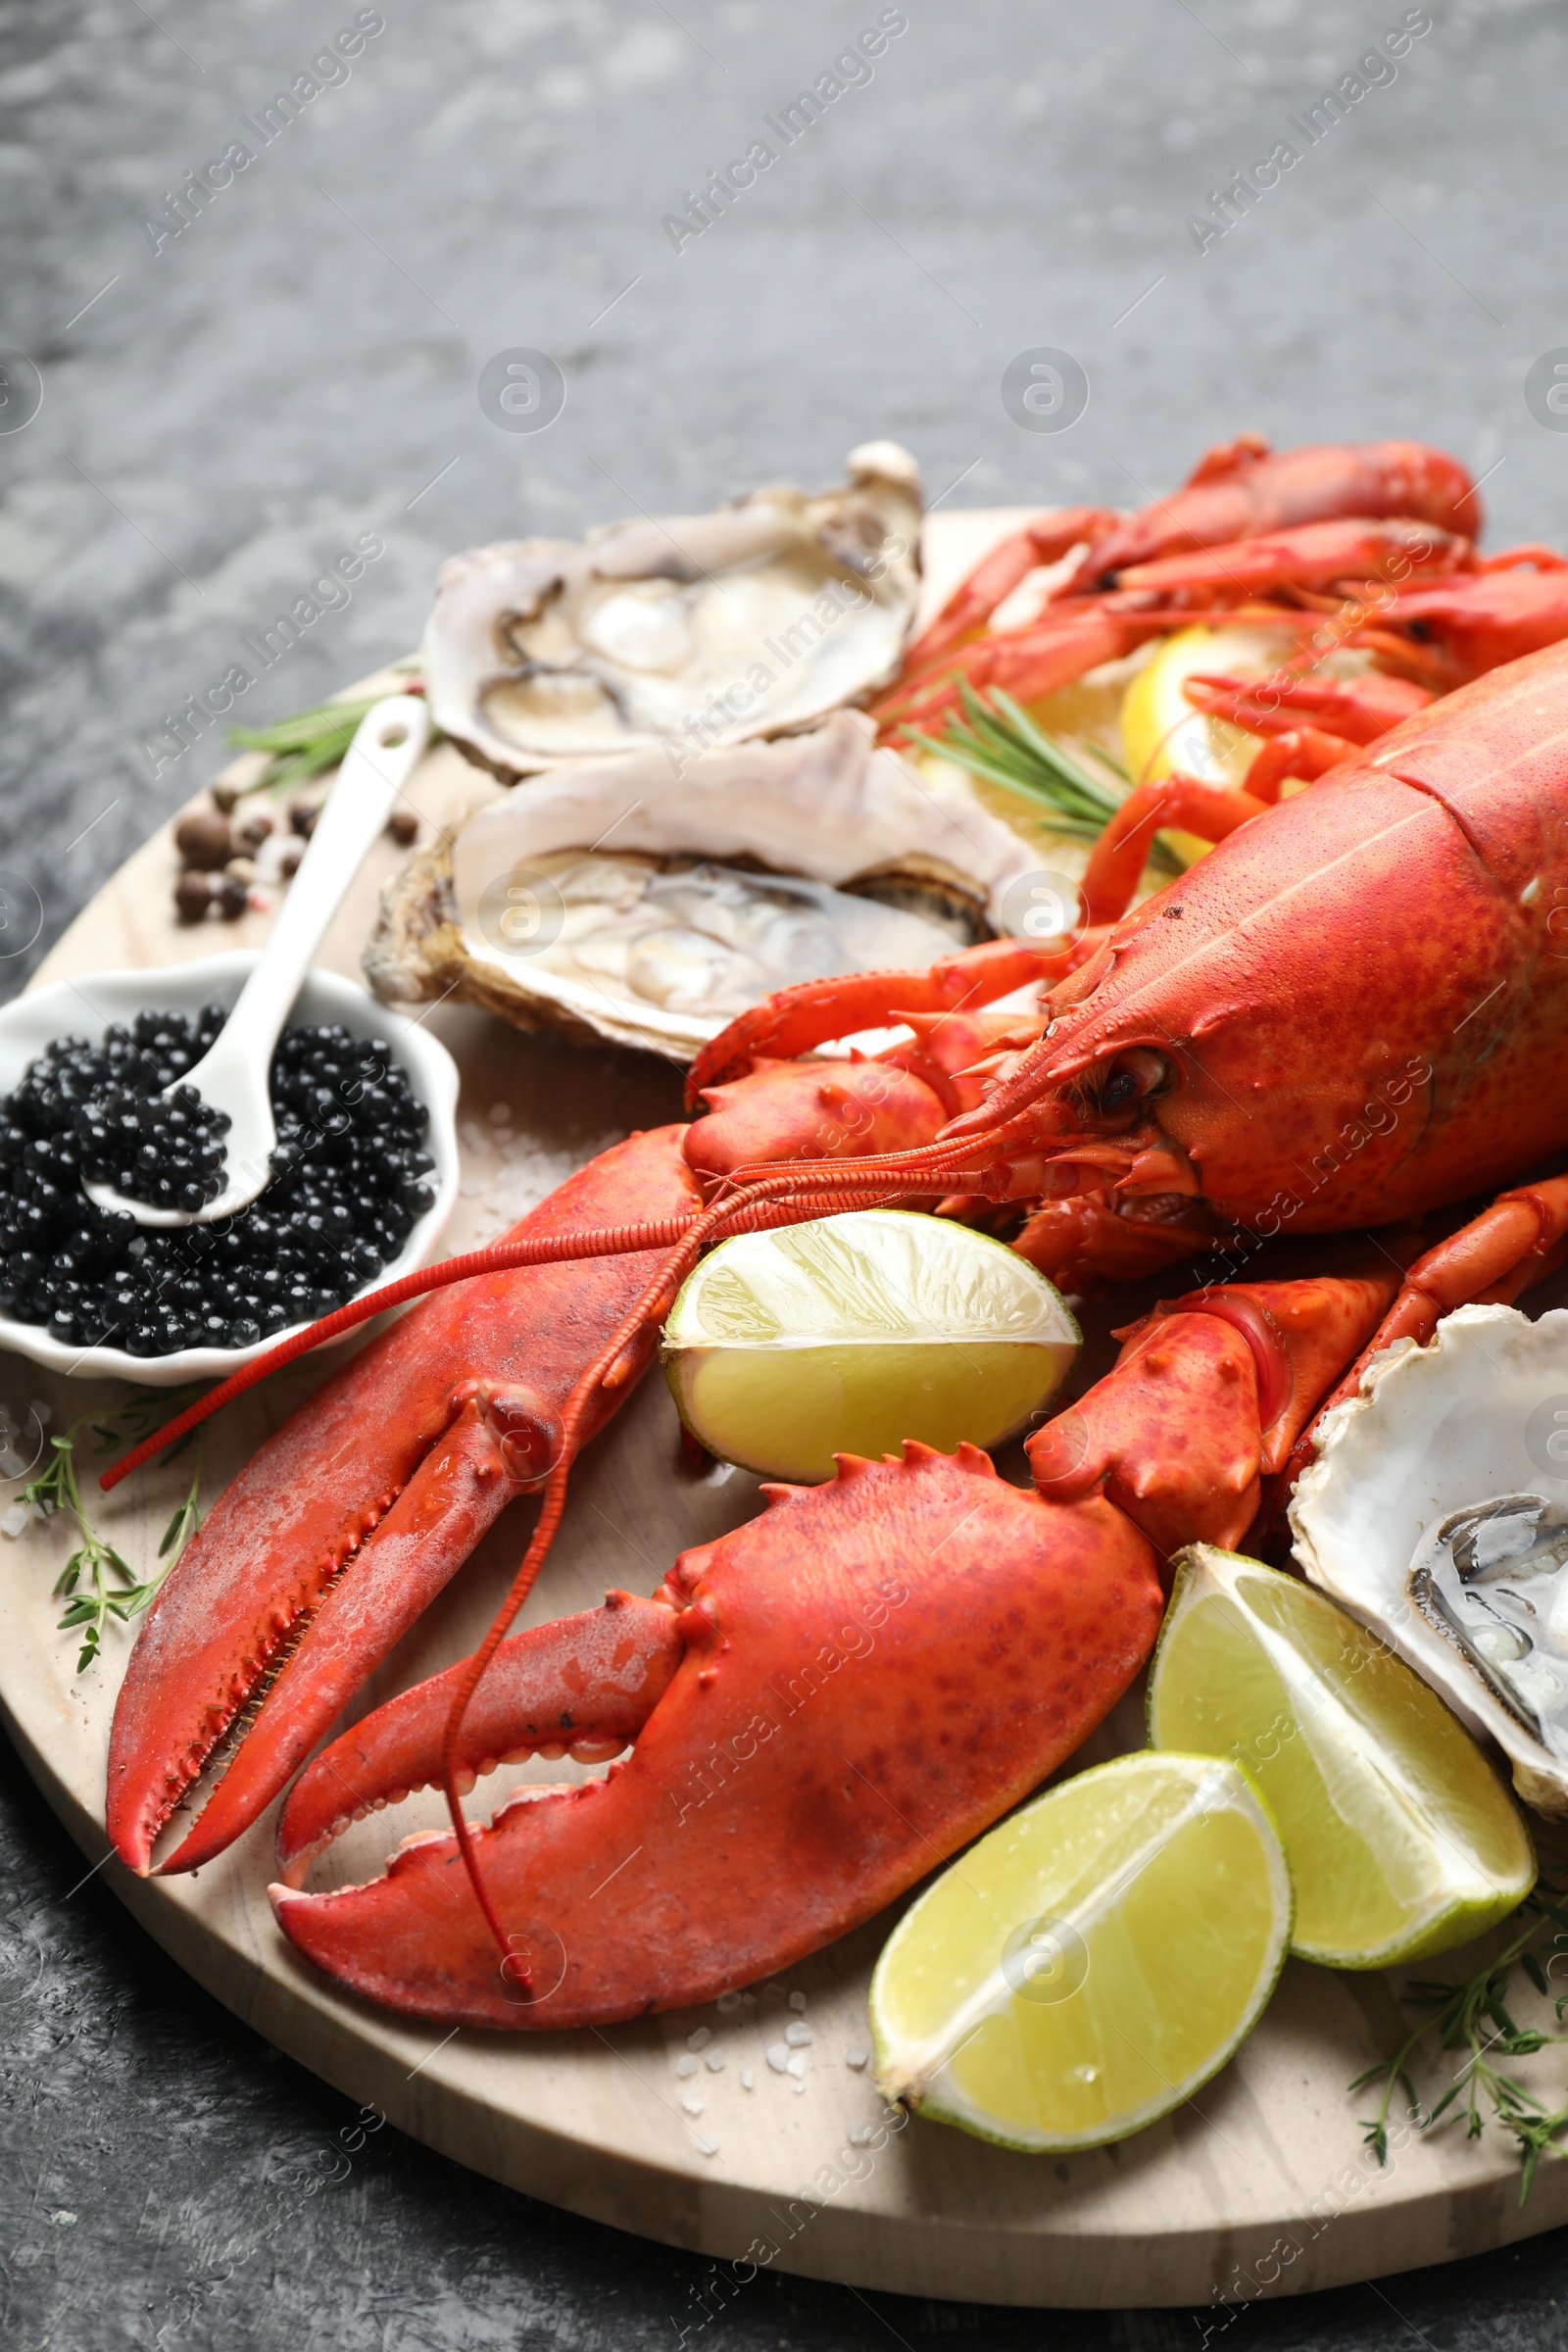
point(1259, 2186)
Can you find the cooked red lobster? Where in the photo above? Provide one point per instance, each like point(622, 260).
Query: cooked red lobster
point(1366, 544)
point(1349, 1015)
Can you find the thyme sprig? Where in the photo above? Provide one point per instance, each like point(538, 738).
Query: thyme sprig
point(96, 1561)
point(304, 743)
point(1002, 744)
point(1474, 2015)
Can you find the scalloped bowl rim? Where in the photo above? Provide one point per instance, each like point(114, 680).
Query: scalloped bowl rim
point(31, 1021)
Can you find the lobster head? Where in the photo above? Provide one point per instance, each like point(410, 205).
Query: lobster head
point(1341, 1015)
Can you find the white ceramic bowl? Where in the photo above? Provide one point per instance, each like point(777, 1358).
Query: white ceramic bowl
point(86, 1007)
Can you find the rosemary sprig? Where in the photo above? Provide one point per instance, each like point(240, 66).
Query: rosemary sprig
point(1002, 744)
point(1474, 2015)
point(96, 1560)
point(306, 743)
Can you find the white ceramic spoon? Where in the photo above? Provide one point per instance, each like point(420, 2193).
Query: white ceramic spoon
point(234, 1075)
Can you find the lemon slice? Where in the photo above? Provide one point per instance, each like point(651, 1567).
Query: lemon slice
point(1090, 1962)
point(850, 1334)
point(1401, 1838)
point(1161, 731)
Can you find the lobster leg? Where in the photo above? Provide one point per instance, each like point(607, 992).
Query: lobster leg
point(814, 1011)
point(1055, 651)
point(997, 574)
point(1517, 1241)
point(1119, 855)
point(1302, 753)
point(1314, 554)
point(1357, 710)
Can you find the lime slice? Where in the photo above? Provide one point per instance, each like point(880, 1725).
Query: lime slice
point(1161, 731)
point(850, 1334)
point(1093, 1961)
point(1401, 1838)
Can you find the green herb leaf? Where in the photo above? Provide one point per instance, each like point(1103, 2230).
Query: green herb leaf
point(997, 741)
point(304, 743)
point(1474, 2015)
point(96, 1561)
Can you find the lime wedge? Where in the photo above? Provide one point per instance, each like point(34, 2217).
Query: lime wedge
point(1092, 1961)
point(1401, 1838)
point(852, 1333)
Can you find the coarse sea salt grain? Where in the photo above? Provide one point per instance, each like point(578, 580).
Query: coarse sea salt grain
point(748, 2077)
point(714, 2060)
point(15, 1519)
point(798, 2034)
point(528, 1174)
point(777, 2056)
point(728, 2003)
point(687, 2065)
point(692, 2103)
point(857, 2054)
point(700, 2039)
point(797, 2000)
point(797, 2065)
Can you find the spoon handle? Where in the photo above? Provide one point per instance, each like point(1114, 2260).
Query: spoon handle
point(376, 767)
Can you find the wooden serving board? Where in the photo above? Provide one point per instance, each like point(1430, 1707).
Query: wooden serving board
point(1259, 2186)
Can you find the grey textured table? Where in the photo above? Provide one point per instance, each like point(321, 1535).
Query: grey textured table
point(227, 407)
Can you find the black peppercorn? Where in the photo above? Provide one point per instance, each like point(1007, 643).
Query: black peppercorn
point(193, 897)
point(203, 839)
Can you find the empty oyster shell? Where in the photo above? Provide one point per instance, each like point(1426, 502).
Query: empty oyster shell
point(1436, 1513)
point(696, 630)
point(620, 899)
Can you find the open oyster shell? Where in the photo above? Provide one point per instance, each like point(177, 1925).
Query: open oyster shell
point(1436, 1513)
point(695, 629)
point(620, 899)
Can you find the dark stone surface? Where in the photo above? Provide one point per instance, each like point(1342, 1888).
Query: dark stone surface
point(300, 366)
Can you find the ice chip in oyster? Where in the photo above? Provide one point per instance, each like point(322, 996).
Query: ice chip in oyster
point(1437, 1512)
point(1491, 1577)
point(695, 630)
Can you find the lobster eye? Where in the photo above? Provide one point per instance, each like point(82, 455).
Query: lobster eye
point(1138, 1072)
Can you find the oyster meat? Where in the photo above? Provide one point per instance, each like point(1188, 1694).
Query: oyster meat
point(695, 631)
point(699, 938)
point(1437, 1512)
point(620, 899)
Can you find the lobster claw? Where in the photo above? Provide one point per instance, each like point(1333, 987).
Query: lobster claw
point(869, 1674)
point(344, 1525)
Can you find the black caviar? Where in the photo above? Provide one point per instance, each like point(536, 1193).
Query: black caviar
point(348, 1183)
